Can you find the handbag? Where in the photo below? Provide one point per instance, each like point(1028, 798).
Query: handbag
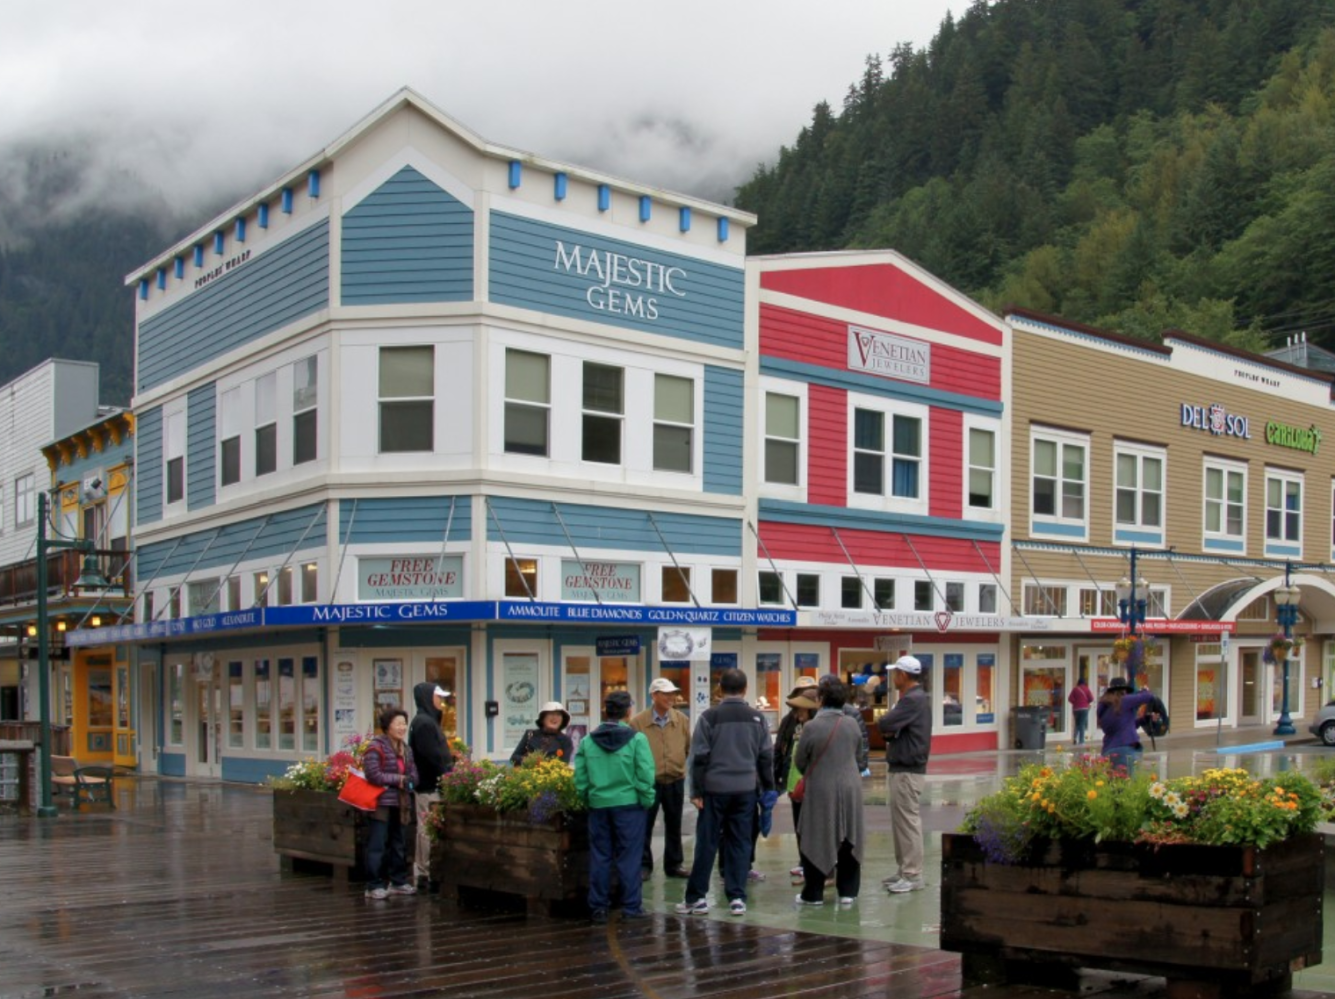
point(799, 791)
point(359, 793)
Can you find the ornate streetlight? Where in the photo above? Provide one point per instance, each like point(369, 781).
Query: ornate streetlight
point(1286, 604)
point(1132, 597)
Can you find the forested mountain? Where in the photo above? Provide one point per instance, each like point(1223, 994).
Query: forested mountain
point(1132, 164)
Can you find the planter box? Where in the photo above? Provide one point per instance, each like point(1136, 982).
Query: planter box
point(481, 852)
point(313, 830)
point(1213, 920)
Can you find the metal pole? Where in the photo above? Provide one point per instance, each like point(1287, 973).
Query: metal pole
point(45, 809)
point(1287, 613)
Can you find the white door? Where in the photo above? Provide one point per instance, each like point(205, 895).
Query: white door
point(204, 747)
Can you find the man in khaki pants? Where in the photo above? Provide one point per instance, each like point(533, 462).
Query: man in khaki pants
point(669, 735)
point(907, 728)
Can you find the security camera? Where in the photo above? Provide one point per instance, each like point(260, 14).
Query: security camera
point(95, 484)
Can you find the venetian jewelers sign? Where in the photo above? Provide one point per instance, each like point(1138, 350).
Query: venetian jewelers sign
point(889, 356)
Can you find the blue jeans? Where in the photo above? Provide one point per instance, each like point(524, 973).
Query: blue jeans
point(1081, 724)
point(616, 839)
point(726, 823)
point(1125, 756)
point(384, 849)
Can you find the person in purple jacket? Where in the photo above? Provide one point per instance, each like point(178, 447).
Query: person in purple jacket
point(1117, 712)
point(388, 763)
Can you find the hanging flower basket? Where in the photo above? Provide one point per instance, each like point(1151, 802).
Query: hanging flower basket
point(1132, 651)
point(1280, 648)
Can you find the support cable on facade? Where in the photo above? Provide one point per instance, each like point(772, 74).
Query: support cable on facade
point(1098, 587)
point(773, 568)
point(259, 601)
point(935, 586)
point(217, 533)
point(856, 571)
point(509, 552)
point(222, 580)
point(153, 578)
point(1038, 583)
point(571, 542)
point(343, 550)
point(1172, 564)
point(444, 543)
point(995, 578)
point(686, 581)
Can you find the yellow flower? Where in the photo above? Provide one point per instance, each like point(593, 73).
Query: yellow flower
point(1092, 794)
point(1098, 783)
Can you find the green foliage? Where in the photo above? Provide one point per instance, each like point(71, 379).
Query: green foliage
point(539, 785)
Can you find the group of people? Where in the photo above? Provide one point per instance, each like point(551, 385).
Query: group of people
point(634, 767)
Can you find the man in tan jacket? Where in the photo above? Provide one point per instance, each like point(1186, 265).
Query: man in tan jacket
point(669, 735)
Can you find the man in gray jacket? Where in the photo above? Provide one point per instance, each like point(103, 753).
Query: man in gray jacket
point(731, 757)
point(907, 728)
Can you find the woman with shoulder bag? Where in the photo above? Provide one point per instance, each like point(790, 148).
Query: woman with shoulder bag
point(830, 826)
point(388, 763)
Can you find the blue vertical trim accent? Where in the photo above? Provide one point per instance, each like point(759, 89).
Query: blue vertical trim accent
point(201, 487)
point(722, 230)
point(287, 201)
point(199, 255)
point(560, 184)
point(604, 197)
point(143, 289)
point(218, 243)
point(262, 216)
point(516, 174)
point(313, 183)
point(646, 207)
point(684, 219)
point(723, 436)
point(162, 278)
point(240, 230)
point(179, 268)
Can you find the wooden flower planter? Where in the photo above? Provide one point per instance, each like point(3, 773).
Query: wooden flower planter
point(1213, 920)
point(481, 854)
point(315, 832)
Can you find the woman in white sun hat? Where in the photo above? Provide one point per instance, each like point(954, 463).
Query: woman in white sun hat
point(549, 738)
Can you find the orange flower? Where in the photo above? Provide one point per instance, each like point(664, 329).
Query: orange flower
point(560, 753)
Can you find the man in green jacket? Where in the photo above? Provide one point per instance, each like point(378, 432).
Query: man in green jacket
point(614, 777)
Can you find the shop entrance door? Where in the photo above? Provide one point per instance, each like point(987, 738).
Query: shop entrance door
point(588, 681)
point(1250, 697)
point(205, 745)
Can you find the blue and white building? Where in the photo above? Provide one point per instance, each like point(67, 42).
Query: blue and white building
point(429, 408)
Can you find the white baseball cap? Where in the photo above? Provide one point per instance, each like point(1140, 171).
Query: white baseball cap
point(663, 686)
point(441, 692)
point(908, 664)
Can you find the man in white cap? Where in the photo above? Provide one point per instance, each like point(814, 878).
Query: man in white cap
point(907, 728)
point(669, 735)
point(431, 751)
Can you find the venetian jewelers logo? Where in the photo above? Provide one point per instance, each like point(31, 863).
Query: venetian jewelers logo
point(889, 356)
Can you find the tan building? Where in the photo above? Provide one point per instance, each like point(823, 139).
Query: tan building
point(1201, 467)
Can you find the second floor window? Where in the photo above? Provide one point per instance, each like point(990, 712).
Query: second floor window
point(266, 424)
point(674, 423)
point(1283, 508)
point(604, 407)
point(528, 400)
point(25, 500)
point(1139, 490)
point(982, 469)
point(782, 438)
point(305, 409)
point(173, 446)
point(407, 399)
point(1059, 480)
point(875, 453)
point(1225, 502)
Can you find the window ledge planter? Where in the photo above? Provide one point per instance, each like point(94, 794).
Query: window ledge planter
point(1213, 920)
point(479, 850)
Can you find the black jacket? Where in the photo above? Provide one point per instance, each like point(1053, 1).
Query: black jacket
point(553, 745)
point(430, 748)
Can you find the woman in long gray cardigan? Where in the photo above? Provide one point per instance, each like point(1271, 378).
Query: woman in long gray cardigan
point(830, 828)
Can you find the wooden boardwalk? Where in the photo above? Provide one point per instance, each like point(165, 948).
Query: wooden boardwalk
point(178, 893)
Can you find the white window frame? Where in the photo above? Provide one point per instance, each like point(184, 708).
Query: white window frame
point(174, 432)
point(694, 461)
point(889, 409)
point(302, 410)
point(1223, 539)
point(25, 500)
point(383, 401)
point(1041, 607)
point(617, 416)
point(543, 406)
point(1285, 545)
point(1056, 523)
point(994, 513)
point(266, 417)
point(230, 427)
point(1138, 531)
point(796, 492)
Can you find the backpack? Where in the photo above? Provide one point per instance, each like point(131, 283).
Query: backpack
point(1155, 727)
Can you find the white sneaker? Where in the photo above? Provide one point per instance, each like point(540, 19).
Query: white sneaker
point(798, 871)
point(737, 907)
point(402, 890)
point(377, 893)
point(802, 901)
point(847, 900)
point(905, 885)
point(698, 908)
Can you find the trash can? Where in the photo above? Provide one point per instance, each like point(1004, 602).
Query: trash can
point(1030, 725)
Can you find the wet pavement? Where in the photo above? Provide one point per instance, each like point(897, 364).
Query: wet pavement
point(178, 892)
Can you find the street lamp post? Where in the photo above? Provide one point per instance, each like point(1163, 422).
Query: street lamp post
point(1133, 595)
point(90, 577)
point(1286, 610)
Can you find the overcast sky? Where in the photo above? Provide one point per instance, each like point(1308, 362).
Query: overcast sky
point(206, 102)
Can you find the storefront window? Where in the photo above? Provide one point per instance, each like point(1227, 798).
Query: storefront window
point(718, 662)
point(614, 674)
point(952, 689)
point(100, 704)
point(263, 705)
point(1043, 682)
point(768, 696)
point(176, 704)
point(806, 664)
point(679, 674)
point(987, 691)
point(443, 671)
point(310, 704)
point(236, 706)
point(287, 704)
point(577, 687)
point(1209, 686)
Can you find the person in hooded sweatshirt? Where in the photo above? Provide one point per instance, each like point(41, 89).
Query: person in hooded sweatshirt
point(431, 751)
point(614, 777)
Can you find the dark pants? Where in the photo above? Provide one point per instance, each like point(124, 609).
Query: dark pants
point(386, 858)
point(616, 839)
point(847, 875)
point(724, 825)
point(670, 797)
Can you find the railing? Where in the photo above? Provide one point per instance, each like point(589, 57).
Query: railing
point(18, 580)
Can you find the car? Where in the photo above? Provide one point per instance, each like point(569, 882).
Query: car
point(1323, 725)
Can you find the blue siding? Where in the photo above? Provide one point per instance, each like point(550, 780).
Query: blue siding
point(723, 431)
point(148, 465)
point(409, 241)
point(283, 284)
point(405, 518)
point(533, 522)
point(271, 538)
point(849, 519)
point(525, 272)
point(245, 770)
point(201, 486)
point(171, 764)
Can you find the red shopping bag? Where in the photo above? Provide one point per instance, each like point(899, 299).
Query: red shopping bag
point(358, 793)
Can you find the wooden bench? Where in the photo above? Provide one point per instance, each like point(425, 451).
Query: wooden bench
point(67, 777)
